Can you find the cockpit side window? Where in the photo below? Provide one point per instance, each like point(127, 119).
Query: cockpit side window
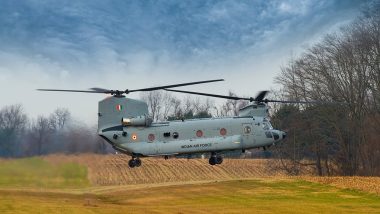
point(266, 124)
point(268, 134)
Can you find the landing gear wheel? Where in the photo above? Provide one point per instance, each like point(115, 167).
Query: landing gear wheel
point(134, 162)
point(131, 163)
point(215, 159)
point(212, 161)
point(219, 160)
point(137, 162)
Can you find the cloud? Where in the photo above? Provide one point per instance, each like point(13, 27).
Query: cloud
point(302, 7)
point(68, 32)
point(134, 44)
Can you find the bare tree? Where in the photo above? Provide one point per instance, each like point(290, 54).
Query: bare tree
point(167, 104)
point(160, 104)
point(176, 103)
point(154, 101)
point(40, 134)
point(12, 123)
point(59, 118)
point(344, 67)
point(230, 107)
point(188, 105)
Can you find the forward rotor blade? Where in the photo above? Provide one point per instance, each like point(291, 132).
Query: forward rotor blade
point(101, 90)
point(173, 86)
point(298, 101)
point(210, 95)
point(70, 90)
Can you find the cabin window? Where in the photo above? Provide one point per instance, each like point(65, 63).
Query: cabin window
point(247, 129)
point(199, 133)
point(151, 137)
point(175, 135)
point(166, 134)
point(223, 131)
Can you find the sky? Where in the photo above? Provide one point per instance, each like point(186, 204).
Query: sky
point(124, 44)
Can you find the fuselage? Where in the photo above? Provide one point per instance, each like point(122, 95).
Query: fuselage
point(193, 136)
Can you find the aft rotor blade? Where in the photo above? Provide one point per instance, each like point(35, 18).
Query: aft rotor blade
point(211, 95)
point(173, 86)
point(261, 95)
point(259, 98)
point(70, 90)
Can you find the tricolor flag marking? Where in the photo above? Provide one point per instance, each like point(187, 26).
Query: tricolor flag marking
point(119, 107)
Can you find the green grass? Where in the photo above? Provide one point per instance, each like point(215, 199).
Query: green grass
point(245, 196)
point(35, 172)
point(32, 185)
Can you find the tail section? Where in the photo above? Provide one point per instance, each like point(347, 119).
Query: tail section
point(113, 109)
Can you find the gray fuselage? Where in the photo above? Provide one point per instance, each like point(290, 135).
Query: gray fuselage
point(193, 136)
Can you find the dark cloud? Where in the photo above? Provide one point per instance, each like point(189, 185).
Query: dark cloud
point(108, 43)
point(66, 30)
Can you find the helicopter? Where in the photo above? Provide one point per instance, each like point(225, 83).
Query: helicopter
point(126, 125)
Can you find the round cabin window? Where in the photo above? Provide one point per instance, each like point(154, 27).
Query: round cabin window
point(175, 135)
point(199, 133)
point(151, 137)
point(223, 131)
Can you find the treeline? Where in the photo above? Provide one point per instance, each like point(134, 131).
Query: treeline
point(337, 138)
point(58, 133)
point(164, 105)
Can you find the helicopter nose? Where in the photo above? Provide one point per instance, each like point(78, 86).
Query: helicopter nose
point(278, 135)
point(275, 134)
point(283, 135)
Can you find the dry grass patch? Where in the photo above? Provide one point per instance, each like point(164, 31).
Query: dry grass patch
point(366, 184)
point(114, 170)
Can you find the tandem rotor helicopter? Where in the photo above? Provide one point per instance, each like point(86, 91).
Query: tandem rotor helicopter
point(125, 124)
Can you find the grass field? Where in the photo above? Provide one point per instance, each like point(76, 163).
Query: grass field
point(36, 185)
point(36, 172)
point(239, 196)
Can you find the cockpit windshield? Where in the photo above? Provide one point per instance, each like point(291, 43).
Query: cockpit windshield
point(266, 124)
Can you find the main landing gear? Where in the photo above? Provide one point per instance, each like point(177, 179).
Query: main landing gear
point(215, 159)
point(134, 162)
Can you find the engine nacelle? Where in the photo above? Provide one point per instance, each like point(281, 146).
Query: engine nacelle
point(137, 121)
